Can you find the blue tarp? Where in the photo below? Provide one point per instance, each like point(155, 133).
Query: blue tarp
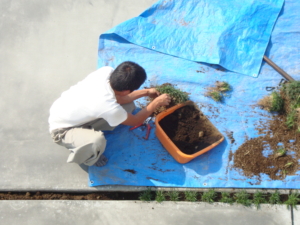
point(138, 162)
point(233, 34)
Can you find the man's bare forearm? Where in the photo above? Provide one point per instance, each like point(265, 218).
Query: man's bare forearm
point(132, 96)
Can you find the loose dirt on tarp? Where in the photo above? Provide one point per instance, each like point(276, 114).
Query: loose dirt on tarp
point(189, 129)
point(258, 155)
point(276, 151)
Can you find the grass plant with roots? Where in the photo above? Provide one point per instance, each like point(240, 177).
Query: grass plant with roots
point(173, 195)
point(146, 196)
point(217, 93)
point(243, 198)
point(160, 196)
point(275, 198)
point(226, 198)
point(190, 196)
point(293, 200)
point(209, 196)
point(259, 198)
point(176, 95)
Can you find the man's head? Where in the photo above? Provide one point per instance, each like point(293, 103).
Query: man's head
point(128, 76)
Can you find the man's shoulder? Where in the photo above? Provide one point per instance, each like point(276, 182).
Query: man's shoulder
point(101, 73)
point(105, 69)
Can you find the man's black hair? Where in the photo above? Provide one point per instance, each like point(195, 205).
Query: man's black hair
point(127, 76)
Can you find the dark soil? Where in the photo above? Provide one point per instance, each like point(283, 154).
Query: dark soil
point(251, 159)
point(107, 196)
point(69, 196)
point(189, 129)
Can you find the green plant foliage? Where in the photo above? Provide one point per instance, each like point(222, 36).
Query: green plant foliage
point(160, 196)
point(177, 95)
point(209, 196)
point(280, 152)
point(292, 90)
point(277, 102)
point(293, 199)
point(174, 195)
point(275, 198)
point(215, 95)
point(190, 196)
point(291, 119)
point(288, 165)
point(259, 198)
point(242, 197)
point(224, 86)
point(226, 198)
point(146, 196)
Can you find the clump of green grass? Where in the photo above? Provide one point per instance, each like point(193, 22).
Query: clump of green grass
point(291, 119)
point(160, 196)
point(223, 86)
point(277, 102)
point(272, 103)
point(146, 196)
point(226, 198)
point(190, 196)
point(215, 95)
point(288, 165)
point(209, 196)
point(280, 152)
point(292, 201)
point(242, 197)
point(217, 92)
point(275, 198)
point(173, 195)
point(292, 90)
point(176, 95)
point(259, 198)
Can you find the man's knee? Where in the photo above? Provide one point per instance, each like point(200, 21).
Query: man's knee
point(99, 142)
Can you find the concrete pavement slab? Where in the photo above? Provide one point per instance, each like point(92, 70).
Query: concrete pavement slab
point(296, 215)
point(46, 47)
point(141, 213)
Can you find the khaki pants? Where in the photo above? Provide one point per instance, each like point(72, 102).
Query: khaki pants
point(86, 142)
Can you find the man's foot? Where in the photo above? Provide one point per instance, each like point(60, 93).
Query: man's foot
point(101, 161)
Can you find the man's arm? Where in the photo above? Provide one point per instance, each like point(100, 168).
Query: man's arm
point(141, 116)
point(151, 92)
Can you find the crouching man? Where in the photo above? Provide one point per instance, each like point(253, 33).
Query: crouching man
point(101, 101)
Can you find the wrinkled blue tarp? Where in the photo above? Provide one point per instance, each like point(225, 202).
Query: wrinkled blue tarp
point(134, 161)
point(233, 34)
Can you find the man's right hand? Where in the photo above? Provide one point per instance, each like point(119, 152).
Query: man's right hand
point(162, 100)
point(133, 120)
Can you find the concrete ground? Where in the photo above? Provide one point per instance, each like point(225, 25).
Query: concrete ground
point(46, 47)
point(166, 213)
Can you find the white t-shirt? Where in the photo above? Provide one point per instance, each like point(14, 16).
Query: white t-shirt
point(90, 99)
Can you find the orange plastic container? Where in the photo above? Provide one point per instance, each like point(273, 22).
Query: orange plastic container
point(178, 155)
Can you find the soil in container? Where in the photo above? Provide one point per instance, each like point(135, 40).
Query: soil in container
point(189, 129)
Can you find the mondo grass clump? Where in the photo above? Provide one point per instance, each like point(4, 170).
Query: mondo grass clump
point(209, 196)
point(285, 101)
point(293, 200)
point(226, 198)
point(243, 198)
point(173, 195)
point(146, 196)
point(177, 96)
point(160, 196)
point(259, 198)
point(272, 103)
